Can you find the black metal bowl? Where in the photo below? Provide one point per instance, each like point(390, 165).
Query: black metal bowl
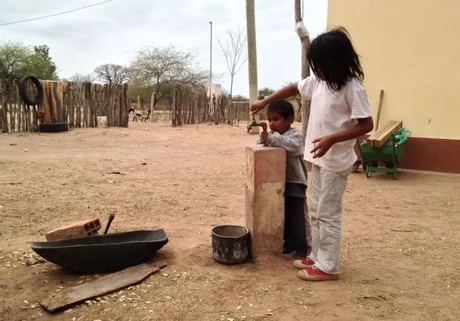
point(103, 253)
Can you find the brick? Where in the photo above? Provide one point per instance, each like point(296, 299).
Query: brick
point(74, 230)
point(264, 193)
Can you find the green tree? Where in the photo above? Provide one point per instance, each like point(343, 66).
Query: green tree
point(18, 60)
point(240, 98)
point(49, 67)
point(13, 60)
point(264, 92)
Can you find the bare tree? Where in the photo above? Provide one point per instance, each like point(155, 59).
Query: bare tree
point(302, 32)
point(162, 66)
point(82, 77)
point(112, 74)
point(233, 50)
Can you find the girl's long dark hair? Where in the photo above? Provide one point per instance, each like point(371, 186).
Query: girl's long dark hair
point(332, 56)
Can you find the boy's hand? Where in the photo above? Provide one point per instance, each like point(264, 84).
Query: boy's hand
point(322, 145)
point(257, 106)
point(263, 138)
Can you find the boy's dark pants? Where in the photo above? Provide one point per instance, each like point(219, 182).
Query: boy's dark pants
point(294, 225)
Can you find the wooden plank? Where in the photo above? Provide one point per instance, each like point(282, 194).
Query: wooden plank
point(21, 112)
point(13, 113)
point(84, 107)
point(34, 117)
point(71, 104)
point(112, 106)
point(91, 102)
point(379, 138)
point(46, 103)
point(78, 106)
point(113, 98)
point(65, 117)
point(116, 107)
point(173, 107)
point(53, 101)
point(24, 111)
point(96, 105)
point(125, 106)
point(58, 94)
point(6, 127)
point(88, 105)
point(27, 118)
point(102, 286)
point(120, 105)
point(1, 118)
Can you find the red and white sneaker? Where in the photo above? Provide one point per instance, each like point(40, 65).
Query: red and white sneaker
point(313, 273)
point(303, 263)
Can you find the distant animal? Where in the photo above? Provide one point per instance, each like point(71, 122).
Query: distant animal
point(139, 114)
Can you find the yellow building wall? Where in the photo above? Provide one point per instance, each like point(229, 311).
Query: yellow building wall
point(411, 50)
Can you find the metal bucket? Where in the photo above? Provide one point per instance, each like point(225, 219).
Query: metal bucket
point(230, 244)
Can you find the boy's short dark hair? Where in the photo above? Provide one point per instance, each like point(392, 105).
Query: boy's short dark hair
point(282, 107)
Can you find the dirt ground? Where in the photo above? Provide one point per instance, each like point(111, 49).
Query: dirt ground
point(400, 248)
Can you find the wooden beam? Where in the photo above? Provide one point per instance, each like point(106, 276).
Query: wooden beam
point(102, 286)
point(379, 138)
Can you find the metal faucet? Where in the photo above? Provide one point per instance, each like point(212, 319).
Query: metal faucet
point(261, 124)
point(254, 123)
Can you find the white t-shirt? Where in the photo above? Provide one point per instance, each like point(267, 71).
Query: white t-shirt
point(331, 112)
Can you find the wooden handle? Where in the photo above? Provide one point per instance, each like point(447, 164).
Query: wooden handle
point(111, 218)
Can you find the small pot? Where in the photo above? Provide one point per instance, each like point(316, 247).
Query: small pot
point(230, 244)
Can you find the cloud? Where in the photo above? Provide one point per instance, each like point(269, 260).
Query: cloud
point(112, 32)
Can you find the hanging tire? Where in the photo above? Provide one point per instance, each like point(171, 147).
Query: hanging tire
point(22, 86)
point(53, 128)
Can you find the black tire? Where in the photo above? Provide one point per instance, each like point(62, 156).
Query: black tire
point(22, 85)
point(53, 128)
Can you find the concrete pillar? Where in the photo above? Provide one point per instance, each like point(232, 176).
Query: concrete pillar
point(265, 180)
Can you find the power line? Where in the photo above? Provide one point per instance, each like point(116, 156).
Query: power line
point(54, 14)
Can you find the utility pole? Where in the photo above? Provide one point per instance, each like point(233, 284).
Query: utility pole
point(210, 53)
point(252, 59)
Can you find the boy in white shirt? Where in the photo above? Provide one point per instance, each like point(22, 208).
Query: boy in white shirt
point(339, 113)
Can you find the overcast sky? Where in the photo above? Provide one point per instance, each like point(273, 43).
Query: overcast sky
point(112, 32)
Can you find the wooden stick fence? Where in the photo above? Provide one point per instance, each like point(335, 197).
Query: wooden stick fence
point(193, 107)
point(78, 104)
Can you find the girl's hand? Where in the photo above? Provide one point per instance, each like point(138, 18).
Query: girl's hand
point(257, 106)
point(322, 145)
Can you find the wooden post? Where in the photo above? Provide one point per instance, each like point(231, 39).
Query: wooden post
point(71, 103)
point(173, 107)
point(152, 106)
